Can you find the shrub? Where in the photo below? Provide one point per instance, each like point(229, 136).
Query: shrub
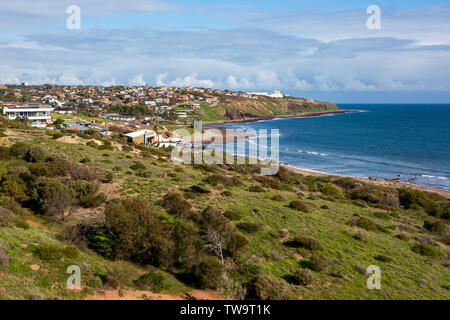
point(5, 153)
point(303, 277)
point(49, 252)
point(256, 188)
point(34, 154)
point(22, 223)
point(85, 160)
point(19, 149)
point(250, 227)
point(268, 287)
point(4, 257)
point(435, 226)
point(174, 203)
point(94, 282)
point(279, 198)
point(425, 250)
point(236, 243)
point(144, 174)
point(331, 190)
point(119, 275)
point(233, 215)
point(138, 166)
point(383, 258)
point(366, 224)
point(208, 272)
point(299, 206)
point(418, 200)
point(403, 236)
point(216, 179)
point(138, 233)
point(268, 182)
point(109, 177)
point(226, 193)
point(198, 189)
point(306, 242)
point(71, 252)
point(152, 281)
point(92, 144)
point(7, 217)
point(315, 264)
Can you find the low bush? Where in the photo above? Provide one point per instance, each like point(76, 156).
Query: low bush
point(256, 188)
point(303, 277)
point(5, 153)
point(425, 250)
point(232, 215)
point(216, 179)
point(279, 198)
point(299, 206)
point(305, 242)
point(403, 236)
point(366, 224)
point(331, 190)
point(315, 264)
point(418, 200)
point(52, 252)
point(138, 166)
point(436, 226)
point(4, 257)
point(208, 272)
point(119, 275)
point(175, 203)
point(250, 227)
point(152, 281)
point(383, 258)
point(268, 182)
point(268, 287)
point(198, 189)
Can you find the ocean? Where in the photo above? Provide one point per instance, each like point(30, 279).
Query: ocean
point(406, 141)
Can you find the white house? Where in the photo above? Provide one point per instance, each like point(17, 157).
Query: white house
point(38, 114)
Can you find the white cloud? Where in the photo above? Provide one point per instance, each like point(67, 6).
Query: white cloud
point(137, 80)
point(160, 78)
point(192, 81)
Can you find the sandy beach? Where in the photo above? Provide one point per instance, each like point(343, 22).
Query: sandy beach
point(381, 182)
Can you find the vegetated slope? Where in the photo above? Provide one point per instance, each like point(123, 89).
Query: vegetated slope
point(237, 108)
point(283, 237)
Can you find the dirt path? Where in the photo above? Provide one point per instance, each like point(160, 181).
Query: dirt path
point(148, 295)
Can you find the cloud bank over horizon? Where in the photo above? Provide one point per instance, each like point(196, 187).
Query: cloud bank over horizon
point(320, 52)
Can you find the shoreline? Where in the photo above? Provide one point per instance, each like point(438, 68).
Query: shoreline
point(301, 115)
point(377, 181)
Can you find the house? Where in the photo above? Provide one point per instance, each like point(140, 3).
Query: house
point(212, 101)
point(62, 110)
point(143, 137)
point(38, 114)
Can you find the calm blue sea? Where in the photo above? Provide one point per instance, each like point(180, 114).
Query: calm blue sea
point(384, 141)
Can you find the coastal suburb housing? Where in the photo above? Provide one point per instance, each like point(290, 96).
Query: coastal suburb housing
point(38, 114)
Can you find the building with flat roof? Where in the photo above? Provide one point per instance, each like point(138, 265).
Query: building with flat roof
point(38, 114)
point(147, 137)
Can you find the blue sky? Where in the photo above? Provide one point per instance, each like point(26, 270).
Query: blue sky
point(317, 49)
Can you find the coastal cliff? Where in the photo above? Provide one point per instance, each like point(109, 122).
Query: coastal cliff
point(238, 109)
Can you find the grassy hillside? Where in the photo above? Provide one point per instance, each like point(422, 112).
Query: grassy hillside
point(284, 237)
